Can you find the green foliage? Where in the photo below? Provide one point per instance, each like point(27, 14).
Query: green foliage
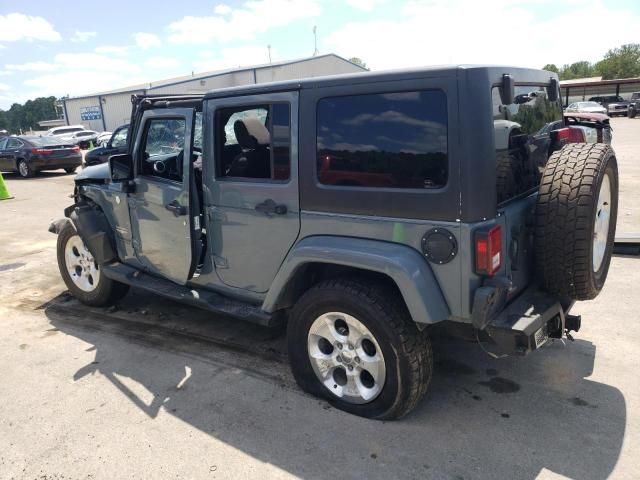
point(622, 62)
point(26, 117)
point(358, 61)
point(582, 69)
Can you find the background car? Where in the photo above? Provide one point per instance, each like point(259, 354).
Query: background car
point(84, 139)
point(28, 155)
point(586, 107)
point(115, 145)
point(66, 130)
point(615, 104)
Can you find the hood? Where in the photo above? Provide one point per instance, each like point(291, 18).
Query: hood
point(99, 173)
point(623, 103)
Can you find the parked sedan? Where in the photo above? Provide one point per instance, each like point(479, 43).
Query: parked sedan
point(116, 144)
point(586, 107)
point(28, 155)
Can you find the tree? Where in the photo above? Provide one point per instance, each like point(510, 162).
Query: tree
point(582, 69)
point(359, 62)
point(551, 67)
point(26, 117)
point(622, 62)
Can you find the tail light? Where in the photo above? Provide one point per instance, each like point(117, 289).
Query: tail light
point(75, 149)
point(488, 251)
point(41, 151)
point(569, 135)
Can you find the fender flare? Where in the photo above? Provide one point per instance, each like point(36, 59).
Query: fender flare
point(401, 263)
point(93, 227)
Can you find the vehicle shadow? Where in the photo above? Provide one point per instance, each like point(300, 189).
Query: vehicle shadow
point(482, 418)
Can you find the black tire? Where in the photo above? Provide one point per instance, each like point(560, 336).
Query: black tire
point(505, 177)
point(105, 293)
point(70, 170)
point(406, 350)
point(566, 212)
point(631, 113)
point(24, 169)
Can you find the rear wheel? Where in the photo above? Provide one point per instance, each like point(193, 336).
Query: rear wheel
point(70, 170)
point(576, 220)
point(24, 169)
point(356, 346)
point(82, 274)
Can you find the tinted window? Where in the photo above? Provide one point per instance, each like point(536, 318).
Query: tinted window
point(119, 138)
point(522, 133)
point(14, 143)
point(163, 145)
point(254, 142)
point(3, 141)
point(396, 140)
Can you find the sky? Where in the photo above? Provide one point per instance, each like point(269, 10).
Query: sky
point(74, 48)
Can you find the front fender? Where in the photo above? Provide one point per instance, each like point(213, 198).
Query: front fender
point(404, 265)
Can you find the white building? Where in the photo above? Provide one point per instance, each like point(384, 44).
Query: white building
point(107, 110)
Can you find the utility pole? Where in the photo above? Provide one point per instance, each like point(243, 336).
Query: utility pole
point(315, 41)
point(269, 49)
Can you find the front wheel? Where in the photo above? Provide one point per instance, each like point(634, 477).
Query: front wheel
point(81, 273)
point(356, 346)
point(70, 170)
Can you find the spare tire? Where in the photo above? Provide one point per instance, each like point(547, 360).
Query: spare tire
point(576, 220)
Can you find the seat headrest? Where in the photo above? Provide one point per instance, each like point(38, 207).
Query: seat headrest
point(250, 133)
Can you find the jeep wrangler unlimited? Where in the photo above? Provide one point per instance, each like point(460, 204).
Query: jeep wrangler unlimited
point(362, 210)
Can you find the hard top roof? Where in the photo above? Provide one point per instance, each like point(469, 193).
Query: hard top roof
point(378, 76)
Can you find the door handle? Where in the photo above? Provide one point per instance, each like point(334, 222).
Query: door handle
point(269, 207)
point(176, 208)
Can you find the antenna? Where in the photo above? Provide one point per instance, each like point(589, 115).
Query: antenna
point(269, 49)
point(315, 41)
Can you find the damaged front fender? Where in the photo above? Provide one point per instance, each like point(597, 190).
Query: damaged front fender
point(91, 224)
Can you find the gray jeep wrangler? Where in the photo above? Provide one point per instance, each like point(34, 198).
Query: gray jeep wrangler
point(362, 210)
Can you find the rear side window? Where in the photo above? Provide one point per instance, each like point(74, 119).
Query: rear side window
point(523, 138)
point(393, 140)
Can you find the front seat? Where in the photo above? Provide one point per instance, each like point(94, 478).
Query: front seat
point(255, 160)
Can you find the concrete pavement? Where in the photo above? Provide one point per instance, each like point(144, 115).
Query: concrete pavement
point(153, 389)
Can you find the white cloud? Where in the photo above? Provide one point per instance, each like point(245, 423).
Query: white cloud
point(112, 50)
point(80, 37)
point(365, 5)
point(147, 40)
point(222, 9)
point(162, 62)
point(4, 87)
point(243, 23)
point(17, 26)
point(38, 66)
point(231, 57)
point(76, 74)
point(510, 32)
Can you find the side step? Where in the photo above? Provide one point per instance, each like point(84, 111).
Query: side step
point(205, 299)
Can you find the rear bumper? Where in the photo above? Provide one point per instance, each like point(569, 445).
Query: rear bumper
point(527, 322)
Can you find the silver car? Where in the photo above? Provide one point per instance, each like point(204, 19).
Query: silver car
point(586, 107)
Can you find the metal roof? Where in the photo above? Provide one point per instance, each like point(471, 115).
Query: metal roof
point(596, 82)
point(144, 87)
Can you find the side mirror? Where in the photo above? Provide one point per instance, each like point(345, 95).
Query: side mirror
point(507, 89)
point(121, 167)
